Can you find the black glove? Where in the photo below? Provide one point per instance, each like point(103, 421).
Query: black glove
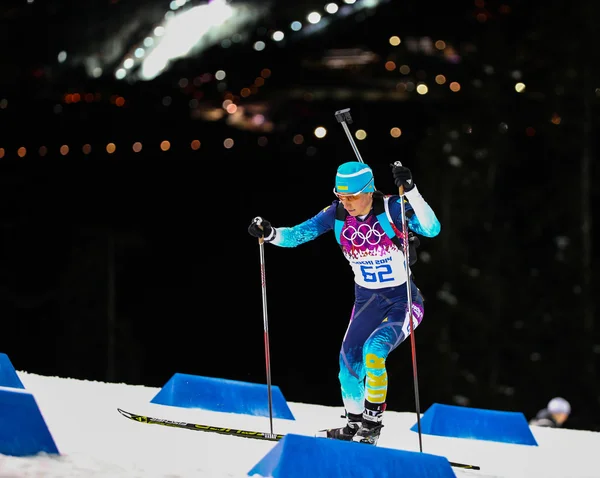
point(403, 177)
point(260, 227)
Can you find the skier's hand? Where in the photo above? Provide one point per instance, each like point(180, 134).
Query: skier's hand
point(260, 227)
point(402, 177)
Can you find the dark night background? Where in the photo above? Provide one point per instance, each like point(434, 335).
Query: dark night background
point(130, 266)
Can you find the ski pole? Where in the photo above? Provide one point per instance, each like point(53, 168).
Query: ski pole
point(263, 281)
point(344, 117)
point(409, 303)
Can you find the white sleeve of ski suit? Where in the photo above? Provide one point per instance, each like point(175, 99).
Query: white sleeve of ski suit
point(426, 223)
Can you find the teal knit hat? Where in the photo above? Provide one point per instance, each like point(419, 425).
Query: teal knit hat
point(354, 177)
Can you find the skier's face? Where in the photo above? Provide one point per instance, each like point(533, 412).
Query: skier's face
point(358, 205)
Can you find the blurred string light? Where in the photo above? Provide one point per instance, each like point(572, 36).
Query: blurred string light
point(395, 132)
point(166, 145)
point(320, 132)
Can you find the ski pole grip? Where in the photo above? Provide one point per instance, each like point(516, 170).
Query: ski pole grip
point(258, 221)
point(401, 188)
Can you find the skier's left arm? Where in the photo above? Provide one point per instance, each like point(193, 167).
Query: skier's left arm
point(424, 221)
point(293, 236)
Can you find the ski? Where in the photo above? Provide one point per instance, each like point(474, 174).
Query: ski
point(229, 431)
point(202, 428)
point(464, 466)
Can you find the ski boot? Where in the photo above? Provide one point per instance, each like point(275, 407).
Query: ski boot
point(368, 433)
point(370, 426)
point(345, 433)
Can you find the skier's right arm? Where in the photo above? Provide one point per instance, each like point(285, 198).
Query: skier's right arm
point(295, 235)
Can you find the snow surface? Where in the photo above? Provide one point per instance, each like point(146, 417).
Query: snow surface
point(96, 441)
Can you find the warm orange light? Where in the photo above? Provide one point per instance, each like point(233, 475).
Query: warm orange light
point(22, 151)
point(111, 148)
point(165, 145)
point(195, 145)
point(64, 149)
point(396, 132)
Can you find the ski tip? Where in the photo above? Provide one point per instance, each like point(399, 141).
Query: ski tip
point(464, 466)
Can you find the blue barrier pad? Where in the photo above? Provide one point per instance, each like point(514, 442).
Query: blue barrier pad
point(298, 456)
point(23, 430)
point(8, 374)
point(477, 424)
point(222, 395)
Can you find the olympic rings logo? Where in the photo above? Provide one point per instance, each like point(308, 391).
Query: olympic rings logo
point(363, 234)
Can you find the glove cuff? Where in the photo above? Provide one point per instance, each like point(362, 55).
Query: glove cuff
point(271, 236)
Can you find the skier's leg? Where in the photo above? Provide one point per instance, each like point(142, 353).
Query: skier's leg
point(364, 319)
point(392, 331)
point(351, 373)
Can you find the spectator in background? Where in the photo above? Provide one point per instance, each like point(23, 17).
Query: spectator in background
point(554, 415)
